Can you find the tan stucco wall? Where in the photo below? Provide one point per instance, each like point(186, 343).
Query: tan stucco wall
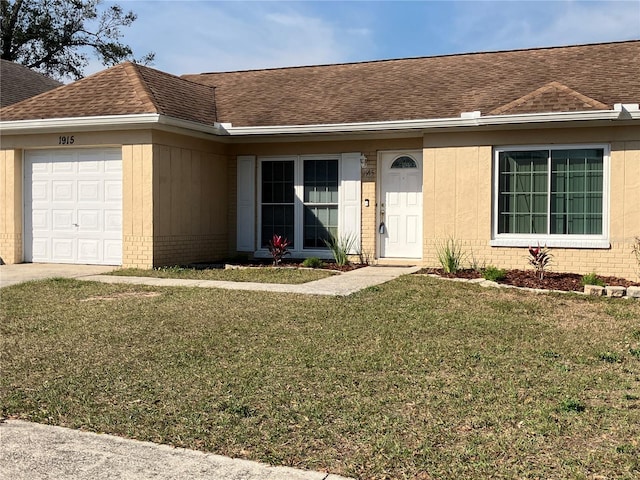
point(11, 206)
point(190, 200)
point(137, 205)
point(458, 189)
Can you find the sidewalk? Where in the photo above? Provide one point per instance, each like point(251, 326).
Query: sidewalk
point(335, 285)
point(30, 451)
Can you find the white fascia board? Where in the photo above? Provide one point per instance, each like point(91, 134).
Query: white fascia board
point(148, 120)
point(464, 121)
point(110, 122)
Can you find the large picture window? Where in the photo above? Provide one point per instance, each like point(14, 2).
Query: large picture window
point(546, 193)
point(299, 200)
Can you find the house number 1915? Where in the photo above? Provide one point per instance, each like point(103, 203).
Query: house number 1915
point(66, 140)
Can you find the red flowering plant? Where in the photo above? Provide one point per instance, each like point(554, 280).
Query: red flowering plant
point(278, 248)
point(540, 259)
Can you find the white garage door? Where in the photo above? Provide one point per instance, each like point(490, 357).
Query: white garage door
point(73, 206)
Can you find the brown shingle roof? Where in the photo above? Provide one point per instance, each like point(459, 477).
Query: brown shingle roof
point(553, 97)
point(423, 88)
point(124, 89)
point(522, 81)
point(18, 82)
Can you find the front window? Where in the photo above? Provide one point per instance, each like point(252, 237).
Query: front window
point(299, 200)
point(278, 193)
point(320, 202)
point(546, 193)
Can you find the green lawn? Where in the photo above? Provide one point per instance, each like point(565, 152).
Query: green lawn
point(418, 378)
point(260, 275)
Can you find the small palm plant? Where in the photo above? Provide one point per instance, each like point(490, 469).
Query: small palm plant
point(540, 259)
point(278, 248)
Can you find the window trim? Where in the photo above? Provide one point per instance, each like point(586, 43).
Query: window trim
point(298, 204)
point(551, 240)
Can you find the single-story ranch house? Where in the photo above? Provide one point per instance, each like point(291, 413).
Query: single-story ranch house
point(499, 151)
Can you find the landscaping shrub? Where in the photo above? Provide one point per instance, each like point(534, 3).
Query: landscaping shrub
point(312, 262)
point(340, 248)
point(450, 255)
point(494, 274)
point(540, 259)
point(278, 248)
point(592, 279)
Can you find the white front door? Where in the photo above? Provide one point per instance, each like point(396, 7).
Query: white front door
point(400, 229)
point(73, 206)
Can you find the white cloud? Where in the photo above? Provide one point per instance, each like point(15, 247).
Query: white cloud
point(508, 25)
point(191, 37)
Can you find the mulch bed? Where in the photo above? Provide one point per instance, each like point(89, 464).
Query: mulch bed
point(288, 263)
point(568, 282)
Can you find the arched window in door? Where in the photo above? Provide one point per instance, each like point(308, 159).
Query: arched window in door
point(404, 161)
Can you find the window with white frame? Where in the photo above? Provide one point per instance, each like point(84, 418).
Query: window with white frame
point(547, 193)
point(299, 200)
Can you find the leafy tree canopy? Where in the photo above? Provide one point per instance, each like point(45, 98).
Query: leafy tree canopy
point(55, 37)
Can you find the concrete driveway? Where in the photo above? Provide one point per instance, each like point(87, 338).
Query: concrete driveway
point(24, 272)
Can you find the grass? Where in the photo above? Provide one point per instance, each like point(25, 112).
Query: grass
point(260, 275)
point(417, 378)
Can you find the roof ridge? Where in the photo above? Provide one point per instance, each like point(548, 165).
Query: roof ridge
point(545, 88)
point(384, 60)
point(140, 86)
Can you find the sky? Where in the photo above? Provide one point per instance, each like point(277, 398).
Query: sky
point(190, 36)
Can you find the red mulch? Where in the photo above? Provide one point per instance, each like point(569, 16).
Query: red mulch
point(569, 282)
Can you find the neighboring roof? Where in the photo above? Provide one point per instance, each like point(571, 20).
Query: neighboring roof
point(126, 89)
point(576, 78)
point(18, 82)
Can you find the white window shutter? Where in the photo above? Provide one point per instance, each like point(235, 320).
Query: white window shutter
point(246, 203)
point(350, 198)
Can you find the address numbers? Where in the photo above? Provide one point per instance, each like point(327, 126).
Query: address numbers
point(66, 140)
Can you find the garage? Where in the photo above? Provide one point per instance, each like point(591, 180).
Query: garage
point(73, 206)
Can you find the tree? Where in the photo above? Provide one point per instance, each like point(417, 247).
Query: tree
point(56, 36)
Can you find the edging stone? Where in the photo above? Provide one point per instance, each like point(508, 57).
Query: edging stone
point(616, 292)
point(633, 292)
point(595, 290)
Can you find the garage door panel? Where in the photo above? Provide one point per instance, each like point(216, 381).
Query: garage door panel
point(88, 251)
point(40, 250)
point(90, 191)
point(73, 206)
point(63, 164)
point(89, 221)
point(40, 219)
point(62, 191)
point(113, 161)
point(112, 251)
point(112, 220)
point(40, 191)
point(62, 220)
point(112, 191)
point(86, 166)
point(62, 249)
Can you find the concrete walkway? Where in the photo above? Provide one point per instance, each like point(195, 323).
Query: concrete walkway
point(30, 451)
point(337, 285)
point(25, 272)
